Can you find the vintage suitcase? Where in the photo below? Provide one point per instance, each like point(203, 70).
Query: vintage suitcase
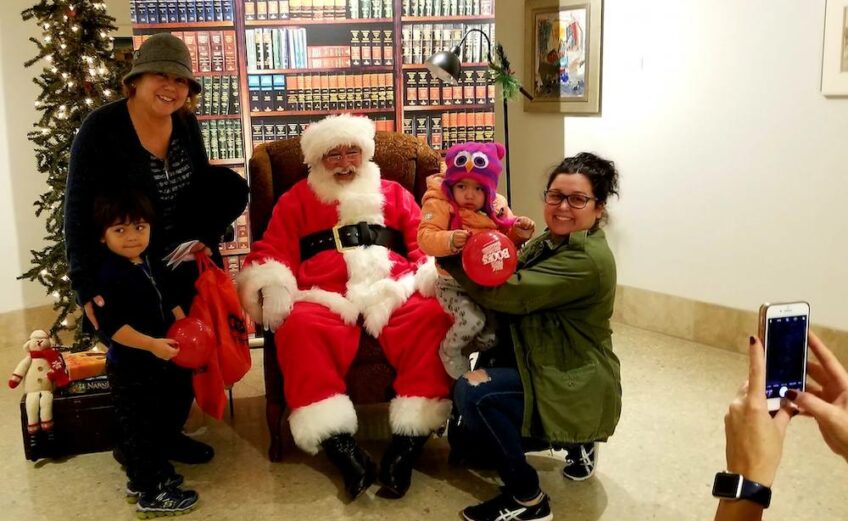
point(83, 423)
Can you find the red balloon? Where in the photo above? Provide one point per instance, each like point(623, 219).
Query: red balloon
point(489, 258)
point(196, 342)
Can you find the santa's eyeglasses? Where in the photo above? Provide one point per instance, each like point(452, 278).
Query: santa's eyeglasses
point(351, 155)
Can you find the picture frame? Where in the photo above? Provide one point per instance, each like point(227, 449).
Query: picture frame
point(563, 53)
point(834, 79)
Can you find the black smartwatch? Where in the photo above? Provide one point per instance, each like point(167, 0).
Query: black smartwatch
point(735, 486)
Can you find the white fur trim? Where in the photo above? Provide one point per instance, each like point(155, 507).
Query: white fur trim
point(256, 276)
point(332, 301)
point(314, 423)
point(417, 416)
point(333, 131)
point(425, 278)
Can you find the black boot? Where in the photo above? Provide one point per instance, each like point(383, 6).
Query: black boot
point(358, 471)
point(396, 467)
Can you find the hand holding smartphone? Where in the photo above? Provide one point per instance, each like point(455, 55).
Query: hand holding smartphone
point(783, 329)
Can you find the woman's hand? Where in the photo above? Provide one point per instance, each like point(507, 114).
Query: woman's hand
point(754, 438)
point(164, 348)
point(201, 247)
point(88, 307)
point(826, 399)
point(458, 238)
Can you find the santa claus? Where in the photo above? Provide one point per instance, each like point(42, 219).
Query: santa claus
point(340, 250)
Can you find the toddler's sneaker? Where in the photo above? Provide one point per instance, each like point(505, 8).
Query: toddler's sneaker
point(166, 502)
point(580, 462)
point(504, 507)
point(133, 492)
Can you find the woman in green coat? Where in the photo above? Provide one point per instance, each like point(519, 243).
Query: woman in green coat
point(553, 376)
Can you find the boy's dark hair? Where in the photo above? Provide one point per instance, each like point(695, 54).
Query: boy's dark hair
point(122, 206)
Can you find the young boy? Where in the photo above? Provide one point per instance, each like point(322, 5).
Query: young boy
point(134, 317)
point(457, 204)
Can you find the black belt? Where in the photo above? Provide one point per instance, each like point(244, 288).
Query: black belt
point(341, 238)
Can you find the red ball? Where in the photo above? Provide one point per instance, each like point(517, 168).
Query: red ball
point(489, 258)
point(196, 342)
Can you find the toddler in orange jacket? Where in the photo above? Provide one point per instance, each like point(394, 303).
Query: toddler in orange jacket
point(457, 204)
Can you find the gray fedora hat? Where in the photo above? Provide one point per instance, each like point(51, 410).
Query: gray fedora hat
point(165, 53)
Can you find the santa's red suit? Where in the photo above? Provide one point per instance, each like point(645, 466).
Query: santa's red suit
point(321, 298)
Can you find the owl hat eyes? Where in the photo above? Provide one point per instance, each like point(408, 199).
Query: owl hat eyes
point(480, 162)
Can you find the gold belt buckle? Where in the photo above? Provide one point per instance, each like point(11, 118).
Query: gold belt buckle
point(338, 240)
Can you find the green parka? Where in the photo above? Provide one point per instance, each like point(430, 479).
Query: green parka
point(557, 307)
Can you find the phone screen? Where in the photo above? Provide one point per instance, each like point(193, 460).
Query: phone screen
point(786, 341)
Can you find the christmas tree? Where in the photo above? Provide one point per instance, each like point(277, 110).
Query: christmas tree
point(79, 74)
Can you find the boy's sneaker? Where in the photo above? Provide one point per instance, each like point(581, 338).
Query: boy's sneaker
point(166, 502)
point(505, 508)
point(581, 461)
point(134, 492)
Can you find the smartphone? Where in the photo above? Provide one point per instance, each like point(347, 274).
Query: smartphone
point(783, 330)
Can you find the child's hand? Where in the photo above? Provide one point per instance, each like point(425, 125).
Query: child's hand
point(458, 239)
point(164, 348)
point(524, 227)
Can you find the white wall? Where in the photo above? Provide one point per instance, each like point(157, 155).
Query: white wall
point(20, 182)
point(734, 167)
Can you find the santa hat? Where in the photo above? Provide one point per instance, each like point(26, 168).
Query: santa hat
point(333, 131)
point(480, 162)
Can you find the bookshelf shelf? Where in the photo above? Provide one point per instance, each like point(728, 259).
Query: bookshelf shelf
point(311, 70)
point(227, 162)
point(445, 19)
point(464, 106)
point(319, 112)
point(218, 116)
point(316, 21)
point(421, 66)
point(185, 25)
point(240, 251)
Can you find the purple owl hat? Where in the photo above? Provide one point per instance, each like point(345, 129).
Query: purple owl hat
point(482, 163)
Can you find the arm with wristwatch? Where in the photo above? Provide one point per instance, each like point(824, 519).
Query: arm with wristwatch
point(755, 437)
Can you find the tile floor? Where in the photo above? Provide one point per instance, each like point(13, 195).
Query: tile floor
point(658, 466)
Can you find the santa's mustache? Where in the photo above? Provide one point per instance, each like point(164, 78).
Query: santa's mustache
point(343, 170)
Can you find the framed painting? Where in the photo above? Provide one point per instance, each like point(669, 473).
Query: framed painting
point(834, 80)
point(563, 55)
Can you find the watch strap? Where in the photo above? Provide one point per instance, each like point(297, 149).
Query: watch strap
point(735, 486)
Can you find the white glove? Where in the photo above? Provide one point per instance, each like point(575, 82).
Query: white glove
point(276, 305)
point(425, 278)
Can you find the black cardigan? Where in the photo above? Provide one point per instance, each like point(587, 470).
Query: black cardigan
point(106, 151)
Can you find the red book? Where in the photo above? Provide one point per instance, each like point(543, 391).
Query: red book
point(204, 52)
point(216, 39)
point(230, 64)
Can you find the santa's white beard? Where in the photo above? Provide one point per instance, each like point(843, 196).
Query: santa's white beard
point(364, 181)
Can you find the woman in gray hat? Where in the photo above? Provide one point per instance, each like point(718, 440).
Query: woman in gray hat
point(150, 141)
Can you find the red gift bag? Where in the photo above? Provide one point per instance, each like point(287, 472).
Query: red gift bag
point(217, 304)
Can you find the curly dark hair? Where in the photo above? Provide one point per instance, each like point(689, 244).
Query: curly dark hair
point(601, 173)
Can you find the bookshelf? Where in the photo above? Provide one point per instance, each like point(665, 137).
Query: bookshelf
point(271, 67)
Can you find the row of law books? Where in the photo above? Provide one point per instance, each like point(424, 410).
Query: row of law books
point(321, 91)
point(420, 41)
point(233, 264)
point(442, 131)
point(371, 47)
point(268, 129)
point(474, 88)
point(317, 9)
point(180, 11)
point(448, 8)
point(211, 51)
point(276, 48)
point(219, 97)
point(223, 138)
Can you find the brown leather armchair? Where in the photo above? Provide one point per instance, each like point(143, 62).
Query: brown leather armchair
point(274, 168)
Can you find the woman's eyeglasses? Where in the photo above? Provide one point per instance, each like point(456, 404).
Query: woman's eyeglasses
point(350, 155)
point(576, 201)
